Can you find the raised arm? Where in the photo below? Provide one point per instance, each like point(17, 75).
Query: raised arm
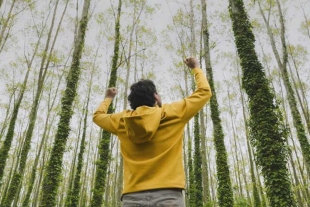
point(101, 117)
point(190, 105)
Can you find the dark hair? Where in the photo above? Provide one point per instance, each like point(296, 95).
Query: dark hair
point(142, 94)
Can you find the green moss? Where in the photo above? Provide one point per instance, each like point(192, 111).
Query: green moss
point(52, 176)
point(225, 193)
point(104, 146)
point(197, 164)
point(266, 131)
point(73, 196)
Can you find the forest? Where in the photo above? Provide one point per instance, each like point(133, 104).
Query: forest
point(248, 147)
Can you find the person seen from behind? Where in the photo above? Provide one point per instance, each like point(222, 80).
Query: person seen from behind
point(151, 140)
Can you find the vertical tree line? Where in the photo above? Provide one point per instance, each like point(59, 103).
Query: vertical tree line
point(248, 147)
point(53, 172)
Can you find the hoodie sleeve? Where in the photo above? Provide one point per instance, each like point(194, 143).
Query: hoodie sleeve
point(109, 122)
point(189, 106)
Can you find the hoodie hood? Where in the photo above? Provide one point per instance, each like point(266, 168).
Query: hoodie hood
point(142, 123)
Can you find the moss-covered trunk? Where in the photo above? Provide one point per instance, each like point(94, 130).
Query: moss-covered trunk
point(197, 164)
point(4, 150)
point(267, 135)
point(282, 64)
point(18, 174)
point(225, 193)
point(74, 193)
point(104, 146)
point(53, 172)
point(73, 196)
point(255, 193)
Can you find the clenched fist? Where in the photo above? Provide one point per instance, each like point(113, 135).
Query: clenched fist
point(191, 62)
point(111, 93)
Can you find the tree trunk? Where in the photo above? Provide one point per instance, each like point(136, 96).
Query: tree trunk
point(6, 25)
point(4, 150)
point(74, 194)
point(18, 175)
point(104, 151)
point(225, 193)
point(282, 64)
point(204, 164)
point(52, 178)
point(265, 126)
point(302, 99)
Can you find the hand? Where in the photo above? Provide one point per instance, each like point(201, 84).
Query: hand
point(192, 62)
point(111, 93)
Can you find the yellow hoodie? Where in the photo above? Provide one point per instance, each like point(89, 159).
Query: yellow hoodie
point(151, 138)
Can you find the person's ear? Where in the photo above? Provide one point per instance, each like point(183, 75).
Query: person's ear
point(156, 96)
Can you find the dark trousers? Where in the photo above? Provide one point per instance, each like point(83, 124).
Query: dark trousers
point(154, 198)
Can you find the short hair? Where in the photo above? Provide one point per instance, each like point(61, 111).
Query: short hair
point(142, 94)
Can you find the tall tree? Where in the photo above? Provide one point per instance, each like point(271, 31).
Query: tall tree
point(225, 193)
point(18, 175)
point(104, 151)
point(257, 201)
point(51, 102)
point(198, 190)
point(73, 196)
point(6, 25)
point(282, 64)
point(4, 150)
point(52, 177)
point(267, 135)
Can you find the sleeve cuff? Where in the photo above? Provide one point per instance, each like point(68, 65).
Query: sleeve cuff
point(196, 70)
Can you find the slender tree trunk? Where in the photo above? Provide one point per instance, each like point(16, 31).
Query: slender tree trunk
point(306, 22)
point(46, 154)
point(191, 180)
point(4, 150)
point(302, 99)
point(196, 198)
point(204, 164)
point(264, 119)
point(50, 106)
point(73, 196)
point(104, 152)
point(84, 197)
point(282, 64)
point(236, 157)
point(245, 177)
point(225, 193)
point(52, 178)
point(13, 167)
point(197, 163)
point(18, 175)
point(297, 185)
point(5, 26)
point(7, 114)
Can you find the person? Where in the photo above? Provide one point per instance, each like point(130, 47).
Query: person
point(151, 140)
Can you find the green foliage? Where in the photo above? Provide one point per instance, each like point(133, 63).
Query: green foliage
point(267, 135)
point(52, 177)
point(31, 184)
point(102, 167)
point(73, 197)
point(197, 164)
point(104, 146)
point(241, 202)
point(225, 193)
point(4, 150)
point(6, 202)
point(191, 187)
